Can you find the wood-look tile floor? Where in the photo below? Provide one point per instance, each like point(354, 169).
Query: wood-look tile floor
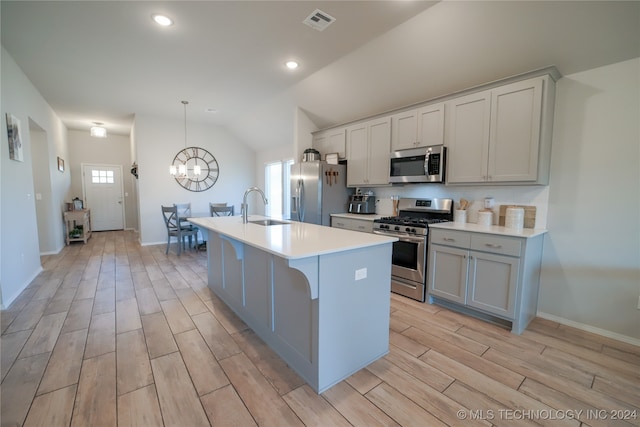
point(112, 333)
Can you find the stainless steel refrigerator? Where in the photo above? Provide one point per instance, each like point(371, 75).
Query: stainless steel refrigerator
point(318, 189)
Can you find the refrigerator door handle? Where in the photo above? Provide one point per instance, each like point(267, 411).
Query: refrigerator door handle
point(301, 201)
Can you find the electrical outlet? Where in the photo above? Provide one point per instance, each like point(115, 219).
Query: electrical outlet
point(361, 274)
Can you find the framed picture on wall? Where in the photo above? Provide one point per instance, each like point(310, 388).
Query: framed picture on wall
point(15, 138)
point(60, 164)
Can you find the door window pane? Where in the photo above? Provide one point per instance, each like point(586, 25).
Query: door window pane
point(276, 178)
point(102, 176)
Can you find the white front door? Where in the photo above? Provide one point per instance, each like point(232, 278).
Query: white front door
point(103, 192)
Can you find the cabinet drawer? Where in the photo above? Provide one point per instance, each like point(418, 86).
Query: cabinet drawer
point(365, 226)
point(496, 244)
point(459, 239)
point(338, 222)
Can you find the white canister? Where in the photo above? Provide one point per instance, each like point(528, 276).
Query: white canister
point(514, 218)
point(485, 218)
point(460, 216)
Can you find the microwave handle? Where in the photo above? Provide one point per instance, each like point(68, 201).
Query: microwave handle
point(426, 162)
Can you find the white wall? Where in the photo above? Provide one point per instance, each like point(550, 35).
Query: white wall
point(112, 150)
point(157, 140)
point(591, 266)
point(20, 260)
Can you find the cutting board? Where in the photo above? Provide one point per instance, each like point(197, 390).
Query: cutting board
point(529, 215)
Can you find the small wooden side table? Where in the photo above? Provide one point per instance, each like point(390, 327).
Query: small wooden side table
point(72, 220)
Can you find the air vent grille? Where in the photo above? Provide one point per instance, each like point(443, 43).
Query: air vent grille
point(319, 20)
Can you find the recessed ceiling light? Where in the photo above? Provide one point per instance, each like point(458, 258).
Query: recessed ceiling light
point(292, 65)
point(163, 20)
point(210, 110)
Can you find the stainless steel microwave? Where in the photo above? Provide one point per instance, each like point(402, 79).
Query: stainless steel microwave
point(418, 165)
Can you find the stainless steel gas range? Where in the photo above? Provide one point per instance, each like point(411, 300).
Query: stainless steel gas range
point(411, 227)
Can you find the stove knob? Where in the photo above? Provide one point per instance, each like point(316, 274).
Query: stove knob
point(397, 228)
point(408, 230)
point(384, 226)
point(413, 230)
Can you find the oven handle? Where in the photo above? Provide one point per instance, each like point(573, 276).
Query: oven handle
point(402, 238)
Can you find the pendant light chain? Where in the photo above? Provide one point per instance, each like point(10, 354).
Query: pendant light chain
point(185, 122)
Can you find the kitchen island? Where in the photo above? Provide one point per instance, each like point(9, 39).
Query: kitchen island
point(318, 296)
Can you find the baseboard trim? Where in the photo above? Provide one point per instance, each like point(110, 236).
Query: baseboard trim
point(588, 328)
point(7, 304)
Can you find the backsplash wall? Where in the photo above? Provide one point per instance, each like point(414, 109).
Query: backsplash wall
point(532, 195)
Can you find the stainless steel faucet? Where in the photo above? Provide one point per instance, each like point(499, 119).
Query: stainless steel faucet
point(245, 206)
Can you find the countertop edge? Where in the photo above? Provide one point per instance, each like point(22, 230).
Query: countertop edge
point(346, 244)
point(526, 233)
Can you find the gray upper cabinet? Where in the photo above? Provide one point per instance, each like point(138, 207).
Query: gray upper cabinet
point(417, 128)
point(368, 147)
point(501, 135)
point(331, 141)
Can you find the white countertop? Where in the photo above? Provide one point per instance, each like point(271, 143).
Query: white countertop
point(493, 229)
point(366, 217)
point(292, 240)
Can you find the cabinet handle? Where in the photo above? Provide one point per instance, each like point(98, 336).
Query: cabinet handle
point(448, 239)
point(491, 245)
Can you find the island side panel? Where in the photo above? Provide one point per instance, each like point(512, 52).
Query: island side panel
point(354, 304)
point(276, 302)
point(214, 255)
point(257, 285)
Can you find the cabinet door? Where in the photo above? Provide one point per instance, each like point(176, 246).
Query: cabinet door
point(493, 283)
point(379, 150)
point(467, 137)
point(516, 115)
point(320, 143)
point(430, 121)
point(448, 273)
point(404, 130)
point(336, 142)
point(357, 153)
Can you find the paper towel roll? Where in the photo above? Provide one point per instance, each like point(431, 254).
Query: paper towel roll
point(514, 218)
point(485, 218)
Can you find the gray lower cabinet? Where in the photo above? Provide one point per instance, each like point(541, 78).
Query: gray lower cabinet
point(492, 274)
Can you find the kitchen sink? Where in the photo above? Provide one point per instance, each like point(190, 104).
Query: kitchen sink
point(267, 222)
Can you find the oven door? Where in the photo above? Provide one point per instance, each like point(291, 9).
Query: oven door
point(408, 265)
point(408, 258)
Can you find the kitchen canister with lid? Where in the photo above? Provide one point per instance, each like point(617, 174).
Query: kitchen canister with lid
point(514, 218)
point(485, 218)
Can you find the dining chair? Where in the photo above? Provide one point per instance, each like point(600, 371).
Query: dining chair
point(176, 229)
point(220, 209)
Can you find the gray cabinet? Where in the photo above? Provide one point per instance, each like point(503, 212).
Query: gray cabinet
point(368, 148)
point(495, 275)
point(416, 128)
point(330, 141)
point(501, 135)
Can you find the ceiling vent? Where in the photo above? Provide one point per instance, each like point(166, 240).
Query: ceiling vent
point(319, 20)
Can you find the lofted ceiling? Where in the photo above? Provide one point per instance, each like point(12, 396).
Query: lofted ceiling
point(107, 61)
